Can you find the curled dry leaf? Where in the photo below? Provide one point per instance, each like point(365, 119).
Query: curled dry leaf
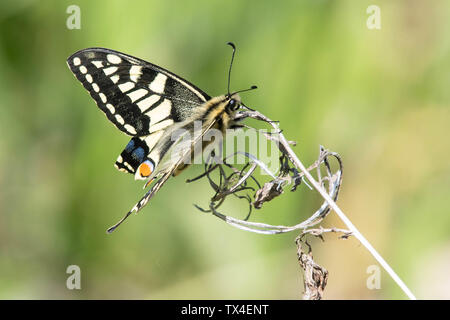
point(269, 191)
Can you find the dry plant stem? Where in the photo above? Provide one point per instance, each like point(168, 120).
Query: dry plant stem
point(347, 221)
point(315, 277)
point(355, 232)
point(262, 228)
point(319, 231)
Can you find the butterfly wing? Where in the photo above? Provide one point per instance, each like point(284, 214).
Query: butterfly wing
point(139, 98)
point(165, 174)
point(136, 152)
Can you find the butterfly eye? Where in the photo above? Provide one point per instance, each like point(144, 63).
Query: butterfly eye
point(232, 104)
point(145, 169)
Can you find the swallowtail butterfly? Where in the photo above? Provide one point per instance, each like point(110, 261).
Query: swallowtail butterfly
point(149, 103)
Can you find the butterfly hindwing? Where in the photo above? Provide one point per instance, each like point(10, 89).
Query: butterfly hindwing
point(162, 180)
point(137, 97)
point(136, 152)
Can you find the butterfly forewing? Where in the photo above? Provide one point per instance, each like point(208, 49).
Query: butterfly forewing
point(139, 98)
point(134, 94)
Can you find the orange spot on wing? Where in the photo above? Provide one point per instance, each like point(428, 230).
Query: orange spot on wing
point(145, 170)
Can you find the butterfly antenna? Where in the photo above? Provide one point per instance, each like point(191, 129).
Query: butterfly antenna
point(231, 64)
point(244, 90)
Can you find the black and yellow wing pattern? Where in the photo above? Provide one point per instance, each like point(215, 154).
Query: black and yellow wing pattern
point(149, 103)
point(139, 98)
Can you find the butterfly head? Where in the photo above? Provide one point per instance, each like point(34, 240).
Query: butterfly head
point(233, 100)
point(233, 103)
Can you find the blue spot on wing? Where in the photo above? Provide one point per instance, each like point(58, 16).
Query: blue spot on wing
point(130, 146)
point(138, 154)
point(133, 155)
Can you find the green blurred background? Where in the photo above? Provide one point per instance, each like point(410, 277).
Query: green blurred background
point(378, 97)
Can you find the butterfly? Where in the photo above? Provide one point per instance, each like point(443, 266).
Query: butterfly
point(150, 104)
